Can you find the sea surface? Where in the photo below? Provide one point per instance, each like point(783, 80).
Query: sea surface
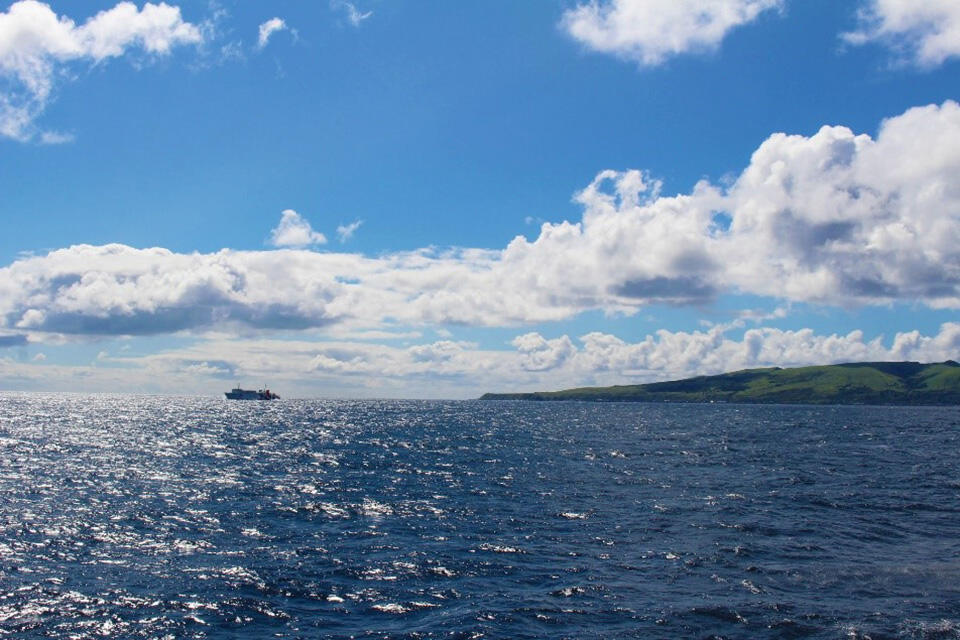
point(184, 517)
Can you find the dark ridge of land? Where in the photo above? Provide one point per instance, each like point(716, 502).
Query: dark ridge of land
point(901, 383)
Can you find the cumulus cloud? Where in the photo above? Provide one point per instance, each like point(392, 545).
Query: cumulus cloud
point(353, 15)
point(540, 354)
point(926, 33)
point(35, 43)
point(267, 29)
point(835, 218)
point(440, 351)
point(295, 231)
point(650, 31)
point(851, 219)
point(116, 290)
point(345, 232)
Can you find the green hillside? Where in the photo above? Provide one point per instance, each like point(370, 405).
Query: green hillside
point(855, 383)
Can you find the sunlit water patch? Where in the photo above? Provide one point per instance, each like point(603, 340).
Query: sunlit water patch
point(127, 516)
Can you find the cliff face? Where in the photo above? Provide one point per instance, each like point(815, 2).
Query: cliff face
point(855, 383)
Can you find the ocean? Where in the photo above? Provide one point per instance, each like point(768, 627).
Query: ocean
point(184, 517)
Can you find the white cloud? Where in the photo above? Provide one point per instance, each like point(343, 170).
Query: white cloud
point(373, 334)
point(926, 32)
point(54, 137)
point(842, 218)
point(833, 218)
point(345, 232)
point(295, 231)
point(540, 354)
point(354, 15)
point(267, 29)
point(35, 42)
point(650, 31)
point(441, 351)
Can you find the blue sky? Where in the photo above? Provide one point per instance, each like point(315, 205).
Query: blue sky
point(437, 199)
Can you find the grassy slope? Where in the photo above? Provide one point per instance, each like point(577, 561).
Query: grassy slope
point(857, 383)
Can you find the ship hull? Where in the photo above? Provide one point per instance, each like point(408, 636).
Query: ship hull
point(249, 394)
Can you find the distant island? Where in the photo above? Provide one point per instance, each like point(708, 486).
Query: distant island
point(901, 383)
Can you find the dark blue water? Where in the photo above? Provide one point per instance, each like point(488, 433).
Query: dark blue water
point(151, 517)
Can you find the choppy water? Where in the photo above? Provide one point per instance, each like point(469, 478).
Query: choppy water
point(124, 516)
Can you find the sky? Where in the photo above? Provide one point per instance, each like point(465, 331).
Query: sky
point(434, 199)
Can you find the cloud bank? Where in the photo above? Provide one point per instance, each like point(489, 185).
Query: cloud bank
point(835, 218)
point(448, 368)
point(596, 357)
point(35, 43)
point(651, 31)
point(926, 33)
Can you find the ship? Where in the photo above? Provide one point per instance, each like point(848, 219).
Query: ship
point(249, 394)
